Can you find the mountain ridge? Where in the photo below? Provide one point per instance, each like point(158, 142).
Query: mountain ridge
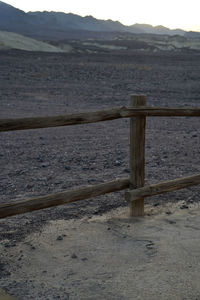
point(59, 24)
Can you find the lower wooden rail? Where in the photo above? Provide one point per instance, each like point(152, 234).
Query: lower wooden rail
point(20, 207)
point(163, 187)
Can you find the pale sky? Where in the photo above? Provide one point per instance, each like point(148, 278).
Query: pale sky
point(170, 13)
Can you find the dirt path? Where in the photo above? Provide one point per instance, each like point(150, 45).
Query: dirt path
point(110, 257)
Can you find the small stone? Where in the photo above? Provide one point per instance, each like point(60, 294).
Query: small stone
point(44, 165)
point(156, 204)
point(172, 222)
point(84, 259)
point(168, 212)
point(74, 255)
point(184, 206)
point(29, 186)
point(59, 238)
point(68, 168)
point(85, 168)
point(117, 163)
point(126, 170)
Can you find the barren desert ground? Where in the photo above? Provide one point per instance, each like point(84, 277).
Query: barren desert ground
point(37, 162)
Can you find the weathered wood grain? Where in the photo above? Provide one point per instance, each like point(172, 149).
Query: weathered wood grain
point(137, 154)
point(163, 187)
point(95, 116)
point(20, 207)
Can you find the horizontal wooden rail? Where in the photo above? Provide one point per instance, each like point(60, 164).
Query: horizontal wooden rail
point(95, 116)
point(163, 187)
point(20, 207)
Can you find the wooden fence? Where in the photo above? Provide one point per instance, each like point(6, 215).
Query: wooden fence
point(137, 112)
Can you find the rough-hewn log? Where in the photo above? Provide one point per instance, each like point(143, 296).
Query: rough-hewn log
point(160, 111)
point(95, 116)
point(163, 187)
point(54, 121)
point(137, 155)
point(19, 207)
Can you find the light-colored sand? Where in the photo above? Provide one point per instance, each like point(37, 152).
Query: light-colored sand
point(5, 296)
point(110, 257)
point(17, 41)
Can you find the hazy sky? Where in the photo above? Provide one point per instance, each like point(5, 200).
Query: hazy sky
point(171, 13)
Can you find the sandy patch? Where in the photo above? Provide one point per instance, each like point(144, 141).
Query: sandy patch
point(110, 257)
point(18, 41)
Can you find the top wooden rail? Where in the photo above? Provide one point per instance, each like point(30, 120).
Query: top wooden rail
point(96, 116)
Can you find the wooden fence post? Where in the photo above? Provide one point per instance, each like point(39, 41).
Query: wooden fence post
point(137, 154)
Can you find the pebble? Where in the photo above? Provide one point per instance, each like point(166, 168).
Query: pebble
point(11, 244)
point(74, 255)
point(84, 259)
point(68, 168)
point(172, 222)
point(29, 186)
point(117, 163)
point(184, 206)
point(59, 238)
point(44, 165)
point(85, 168)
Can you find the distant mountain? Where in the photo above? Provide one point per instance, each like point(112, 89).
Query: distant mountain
point(74, 22)
point(158, 29)
point(13, 19)
point(192, 35)
point(54, 24)
point(59, 25)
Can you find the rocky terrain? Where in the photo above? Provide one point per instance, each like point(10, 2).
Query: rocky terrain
point(37, 162)
point(127, 43)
